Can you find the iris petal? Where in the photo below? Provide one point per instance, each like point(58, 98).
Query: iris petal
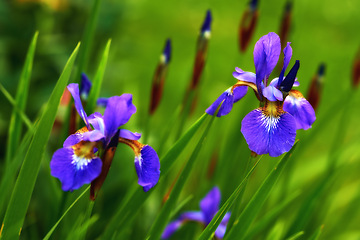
point(171, 228)
point(118, 111)
point(239, 92)
point(266, 55)
point(287, 57)
point(226, 99)
point(74, 171)
point(74, 90)
point(221, 229)
point(124, 133)
point(272, 93)
point(300, 109)
point(244, 76)
point(209, 205)
point(147, 167)
point(270, 134)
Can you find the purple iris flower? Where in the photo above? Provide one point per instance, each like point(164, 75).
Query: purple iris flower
point(79, 161)
point(271, 128)
point(209, 206)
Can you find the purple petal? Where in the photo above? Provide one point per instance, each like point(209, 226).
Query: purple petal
point(196, 216)
point(266, 133)
point(239, 92)
point(244, 76)
point(129, 135)
point(97, 121)
point(73, 139)
point(272, 93)
point(74, 90)
point(300, 109)
point(287, 56)
point(82, 135)
point(206, 27)
point(147, 167)
point(118, 111)
point(74, 171)
point(221, 229)
point(266, 55)
point(102, 102)
point(85, 86)
point(209, 205)
point(171, 228)
point(226, 99)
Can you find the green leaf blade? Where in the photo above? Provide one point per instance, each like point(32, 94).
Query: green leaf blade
point(99, 76)
point(20, 101)
point(243, 223)
point(20, 198)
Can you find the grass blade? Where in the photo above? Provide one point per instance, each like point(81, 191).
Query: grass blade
point(20, 101)
point(163, 217)
point(48, 235)
point(270, 217)
point(212, 226)
point(296, 235)
point(136, 197)
point(317, 233)
point(98, 79)
point(20, 198)
point(243, 223)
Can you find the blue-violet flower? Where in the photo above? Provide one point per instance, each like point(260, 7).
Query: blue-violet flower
point(80, 160)
point(271, 128)
point(209, 206)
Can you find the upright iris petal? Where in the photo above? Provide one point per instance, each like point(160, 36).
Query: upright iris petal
point(287, 57)
point(74, 90)
point(209, 205)
point(269, 130)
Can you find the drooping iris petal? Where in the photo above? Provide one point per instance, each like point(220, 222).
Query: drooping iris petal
point(74, 90)
point(85, 86)
point(269, 133)
point(287, 57)
point(124, 133)
point(226, 99)
point(244, 76)
point(239, 92)
point(118, 111)
point(266, 55)
point(300, 109)
point(221, 229)
point(147, 167)
point(272, 93)
point(209, 205)
point(171, 228)
point(73, 170)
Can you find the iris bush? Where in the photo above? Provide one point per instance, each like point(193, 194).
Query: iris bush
point(59, 146)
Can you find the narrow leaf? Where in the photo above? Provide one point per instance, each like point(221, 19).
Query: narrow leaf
point(20, 101)
point(163, 217)
point(48, 235)
point(95, 89)
point(243, 223)
point(296, 235)
point(136, 197)
point(317, 233)
point(212, 226)
point(20, 198)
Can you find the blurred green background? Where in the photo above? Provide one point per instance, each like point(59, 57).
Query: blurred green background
point(321, 31)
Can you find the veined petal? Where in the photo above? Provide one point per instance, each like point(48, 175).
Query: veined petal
point(300, 109)
point(272, 93)
point(118, 111)
point(269, 130)
point(244, 76)
point(97, 121)
point(147, 167)
point(266, 55)
point(73, 170)
point(74, 90)
point(226, 99)
point(124, 133)
point(209, 205)
point(287, 57)
point(221, 229)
